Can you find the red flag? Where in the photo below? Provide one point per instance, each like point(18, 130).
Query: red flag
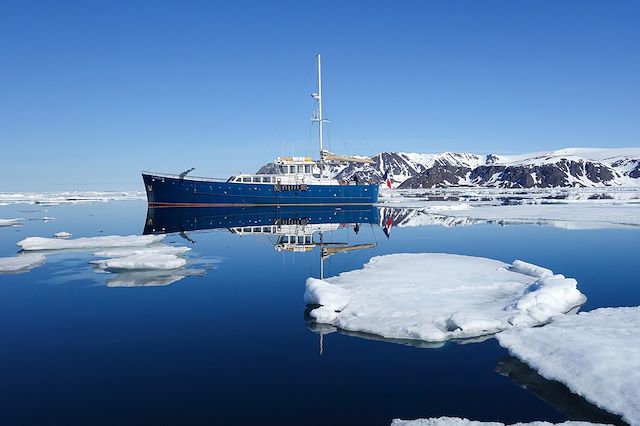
point(387, 178)
point(387, 227)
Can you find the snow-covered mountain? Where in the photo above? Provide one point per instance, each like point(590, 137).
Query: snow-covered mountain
point(571, 167)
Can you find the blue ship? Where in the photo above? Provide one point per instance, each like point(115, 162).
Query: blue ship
point(294, 181)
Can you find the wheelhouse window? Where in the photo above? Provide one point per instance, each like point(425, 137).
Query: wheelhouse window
point(256, 179)
point(246, 179)
point(266, 179)
point(307, 168)
point(292, 169)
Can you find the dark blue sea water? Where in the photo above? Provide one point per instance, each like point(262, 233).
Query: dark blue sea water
point(233, 346)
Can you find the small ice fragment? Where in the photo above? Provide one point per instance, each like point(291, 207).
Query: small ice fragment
point(11, 222)
point(530, 269)
point(62, 234)
point(145, 261)
point(20, 263)
point(44, 218)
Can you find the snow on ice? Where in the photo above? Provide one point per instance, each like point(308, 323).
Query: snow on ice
point(595, 354)
point(88, 243)
point(158, 258)
point(72, 197)
point(20, 263)
point(435, 297)
point(457, 421)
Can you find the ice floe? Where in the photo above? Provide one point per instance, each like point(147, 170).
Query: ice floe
point(595, 354)
point(20, 263)
point(11, 222)
point(88, 243)
point(158, 258)
point(436, 297)
point(71, 197)
point(62, 234)
point(457, 421)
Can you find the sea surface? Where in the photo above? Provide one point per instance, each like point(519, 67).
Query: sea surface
point(230, 342)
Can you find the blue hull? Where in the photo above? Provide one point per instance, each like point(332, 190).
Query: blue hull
point(170, 191)
point(169, 220)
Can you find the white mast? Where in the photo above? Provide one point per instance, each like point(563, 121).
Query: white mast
point(318, 116)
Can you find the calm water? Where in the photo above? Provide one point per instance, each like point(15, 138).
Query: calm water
point(232, 345)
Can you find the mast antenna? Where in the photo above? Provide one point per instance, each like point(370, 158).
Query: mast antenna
point(317, 117)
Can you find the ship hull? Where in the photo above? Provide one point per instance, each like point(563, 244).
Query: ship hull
point(163, 191)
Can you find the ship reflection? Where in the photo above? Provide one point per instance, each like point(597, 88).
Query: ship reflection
point(258, 220)
point(296, 229)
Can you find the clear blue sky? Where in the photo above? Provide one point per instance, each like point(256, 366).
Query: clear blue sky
point(92, 92)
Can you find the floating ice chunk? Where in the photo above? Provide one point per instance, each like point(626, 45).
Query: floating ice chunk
point(124, 252)
point(40, 243)
point(44, 218)
point(436, 296)
point(595, 354)
point(153, 257)
point(144, 261)
point(457, 421)
point(11, 222)
point(530, 269)
point(20, 263)
point(62, 234)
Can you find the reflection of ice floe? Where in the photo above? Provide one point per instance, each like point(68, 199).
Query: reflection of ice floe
point(20, 263)
point(73, 197)
point(457, 421)
point(572, 216)
point(11, 222)
point(88, 243)
point(554, 393)
point(595, 354)
point(436, 297)
point(566, 216)
point(151, 278)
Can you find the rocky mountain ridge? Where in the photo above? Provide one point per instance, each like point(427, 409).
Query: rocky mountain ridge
point(571, 167)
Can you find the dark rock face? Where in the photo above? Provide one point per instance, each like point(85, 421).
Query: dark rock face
point(598, 172)
point(437, 177)
point(492, 159)
point(635, 173)
point(394, 162)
